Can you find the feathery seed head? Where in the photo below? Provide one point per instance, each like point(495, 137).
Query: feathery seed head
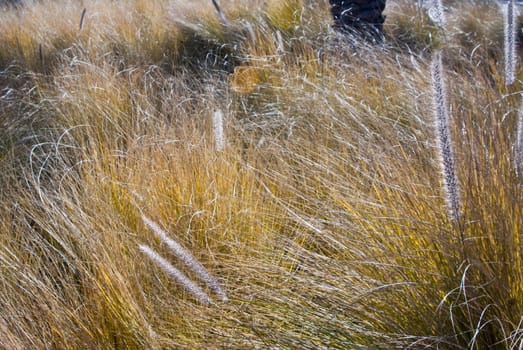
point(188, 259)
point(510, 42)
point(444, 139)
point(218, 130)
point(179, 276)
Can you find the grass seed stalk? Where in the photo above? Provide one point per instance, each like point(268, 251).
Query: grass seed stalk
point(186, 256)
point(444, 139)
point(510, 42)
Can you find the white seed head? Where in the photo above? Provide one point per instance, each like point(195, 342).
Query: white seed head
point(444, 139)
point(188, 259)
point(176, 274)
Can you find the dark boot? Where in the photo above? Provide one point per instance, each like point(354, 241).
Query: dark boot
point(359, 17)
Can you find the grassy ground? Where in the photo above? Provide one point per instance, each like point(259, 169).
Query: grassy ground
point(323, 216)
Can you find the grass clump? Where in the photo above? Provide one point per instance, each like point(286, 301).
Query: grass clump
point(411, 28)
point(319, 221)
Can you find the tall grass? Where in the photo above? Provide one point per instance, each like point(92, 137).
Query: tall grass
point(518, 164)
point(323, 217)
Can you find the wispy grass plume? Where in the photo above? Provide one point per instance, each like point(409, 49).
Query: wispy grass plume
point(450, 180)
point(218, 130)
point(510, 42)
point(176, 274)
point(437, 14)
point(187, 258)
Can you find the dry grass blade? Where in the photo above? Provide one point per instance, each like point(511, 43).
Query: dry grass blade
point(519, 139)
point(222, 17)
point(82, 18)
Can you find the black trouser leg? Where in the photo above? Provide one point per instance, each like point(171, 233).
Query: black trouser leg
point(359, 17)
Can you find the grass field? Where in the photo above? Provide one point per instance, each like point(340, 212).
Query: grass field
point(290, 176)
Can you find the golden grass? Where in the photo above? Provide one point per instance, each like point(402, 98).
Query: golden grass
point(323, 217)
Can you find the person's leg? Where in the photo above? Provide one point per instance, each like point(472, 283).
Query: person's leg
point(362, 17)
point(336, 10)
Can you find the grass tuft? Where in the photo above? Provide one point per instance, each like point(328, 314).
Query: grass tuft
point(318, 214)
